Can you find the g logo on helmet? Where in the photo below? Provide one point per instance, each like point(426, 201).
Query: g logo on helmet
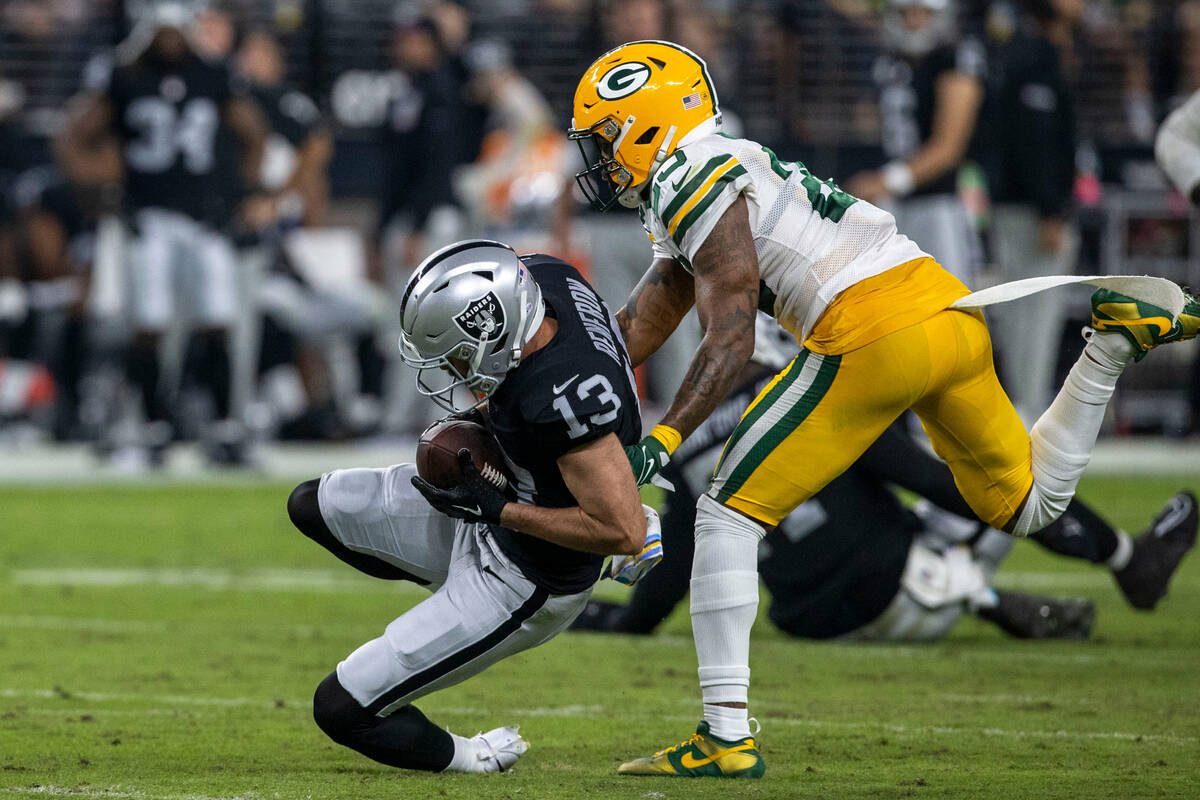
point(623, 80)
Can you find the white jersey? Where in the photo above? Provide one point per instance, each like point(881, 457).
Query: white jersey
point(813, 240)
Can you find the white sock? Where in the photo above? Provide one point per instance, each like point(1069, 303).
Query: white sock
point(724, 603)
point(466, 756)
point(1120, 557)
point(726, 722)
point(1062, 439)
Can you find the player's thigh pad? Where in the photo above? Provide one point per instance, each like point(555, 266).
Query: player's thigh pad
point(970, 420)
point(814, 420)
point(214, 278)
point(486, 611)
point(156, 248)
point(380, 513)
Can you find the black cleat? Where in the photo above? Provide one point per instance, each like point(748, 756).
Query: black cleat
point(1158, 551)
point(1028, 616)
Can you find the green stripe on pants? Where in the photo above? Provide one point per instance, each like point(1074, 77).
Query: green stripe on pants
point(802, 395)
point(787, 378)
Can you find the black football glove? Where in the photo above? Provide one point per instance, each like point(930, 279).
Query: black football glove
point(473, 500)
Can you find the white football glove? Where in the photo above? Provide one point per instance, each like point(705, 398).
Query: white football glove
point(629, 569)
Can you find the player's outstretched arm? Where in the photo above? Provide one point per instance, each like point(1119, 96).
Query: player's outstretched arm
point(250, 125)
point(609, 518)
point(660, 300)
point(726, 285)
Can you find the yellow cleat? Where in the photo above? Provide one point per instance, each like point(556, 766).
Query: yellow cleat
point(702, 756)
point(1143, 324)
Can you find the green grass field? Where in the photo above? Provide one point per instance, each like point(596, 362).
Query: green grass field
point(164, 643)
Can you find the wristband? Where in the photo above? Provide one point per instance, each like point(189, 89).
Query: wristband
point(668, 437)
point(897, 178)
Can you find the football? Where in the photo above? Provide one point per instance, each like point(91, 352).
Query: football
point(437, 453)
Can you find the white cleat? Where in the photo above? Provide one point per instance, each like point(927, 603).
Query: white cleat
point(500, 748)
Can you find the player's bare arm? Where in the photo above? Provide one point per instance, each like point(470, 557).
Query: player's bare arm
point(655, 307)
point(250, 126)
point(609, 518)
point(86, 148)
point(958, 98)
point(726, 286)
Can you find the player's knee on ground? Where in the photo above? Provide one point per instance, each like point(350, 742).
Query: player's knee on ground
point(338, 714)
point(305, 511)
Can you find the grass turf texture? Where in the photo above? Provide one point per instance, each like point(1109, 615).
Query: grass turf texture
point(165, 642)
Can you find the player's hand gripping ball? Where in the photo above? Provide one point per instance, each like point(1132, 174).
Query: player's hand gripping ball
point(461, 471)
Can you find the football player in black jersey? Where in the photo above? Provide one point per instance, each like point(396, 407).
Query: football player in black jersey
point(163, 105)
point(525, 346)
point(930, 92)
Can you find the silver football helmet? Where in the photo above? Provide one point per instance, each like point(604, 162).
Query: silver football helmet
point(466, 315)
point(919, 41)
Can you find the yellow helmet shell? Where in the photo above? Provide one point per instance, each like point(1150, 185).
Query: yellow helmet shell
point(655, 92)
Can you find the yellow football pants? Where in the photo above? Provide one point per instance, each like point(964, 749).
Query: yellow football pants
point(818, 416)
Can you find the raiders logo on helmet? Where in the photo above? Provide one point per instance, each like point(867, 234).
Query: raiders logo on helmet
point(482, 318)
point(623, 80)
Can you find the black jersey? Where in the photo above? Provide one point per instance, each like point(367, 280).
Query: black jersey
point(908, 93)
point(577, 388)
point(168, 117)
point(291, 114)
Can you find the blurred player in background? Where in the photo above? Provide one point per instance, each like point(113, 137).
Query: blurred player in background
point(525, 347)
point(164, 106)
point(930, 92)
point(734, 229)
point(854, 562)
point(1027, 150)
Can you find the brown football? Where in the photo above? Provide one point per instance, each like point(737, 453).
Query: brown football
point(437, 453)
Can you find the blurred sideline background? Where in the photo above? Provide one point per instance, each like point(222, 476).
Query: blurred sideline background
point(416, 124)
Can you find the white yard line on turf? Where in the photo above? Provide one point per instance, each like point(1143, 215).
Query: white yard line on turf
point(575, 711)
point(216, 579)
point(117, 793)
point(344, 581)
point(161, 699)
point(45, 622)
point(75, 464)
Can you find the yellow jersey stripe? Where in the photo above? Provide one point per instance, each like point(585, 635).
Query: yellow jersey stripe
point(699, 194)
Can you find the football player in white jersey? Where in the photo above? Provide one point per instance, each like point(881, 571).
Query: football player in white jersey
point(733, 228)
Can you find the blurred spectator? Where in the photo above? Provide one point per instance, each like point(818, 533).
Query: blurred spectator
point(55, 250)
point(297, 317)
point(931, 89)
point(296, 159)
point(427, 133)
point(1029, 159)
point(516, 181)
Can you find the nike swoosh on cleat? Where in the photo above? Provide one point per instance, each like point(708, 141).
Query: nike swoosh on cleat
point(688, 761)
point(560, 388)
point(1163, 324)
